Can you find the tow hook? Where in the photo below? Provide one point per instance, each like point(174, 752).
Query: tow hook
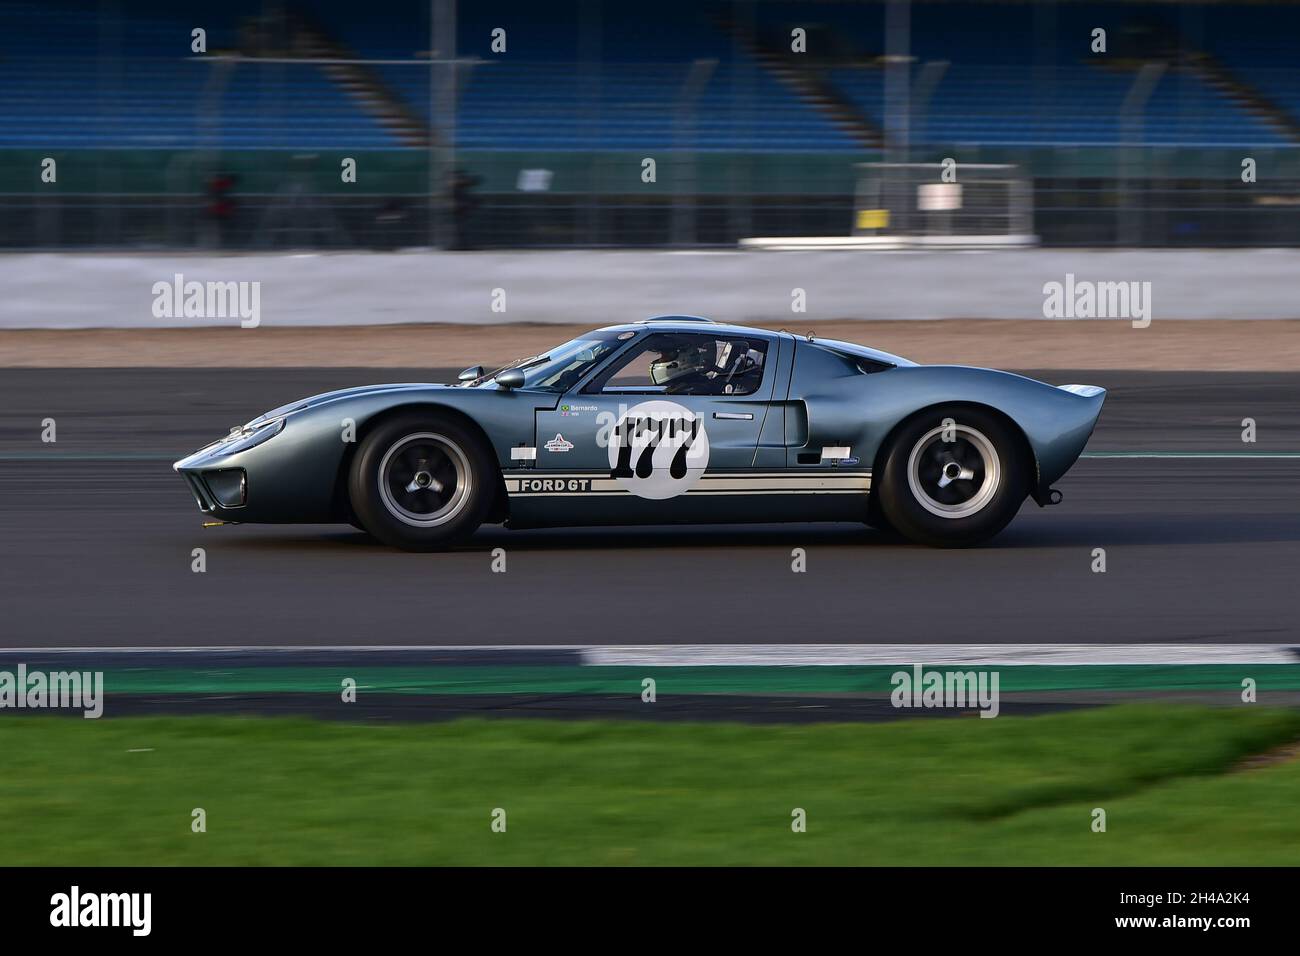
point(1049, 496)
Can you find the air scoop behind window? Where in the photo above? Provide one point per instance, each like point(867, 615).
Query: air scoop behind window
point(871, 366)
point(868, 360)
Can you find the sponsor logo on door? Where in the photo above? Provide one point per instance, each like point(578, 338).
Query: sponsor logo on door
point(558, 443)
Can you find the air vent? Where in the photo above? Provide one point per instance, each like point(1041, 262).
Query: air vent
point(870, 366)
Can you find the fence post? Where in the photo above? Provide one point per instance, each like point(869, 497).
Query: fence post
point(684, 184)
point(898, 106)
point(1131, 112)
point(442, 121)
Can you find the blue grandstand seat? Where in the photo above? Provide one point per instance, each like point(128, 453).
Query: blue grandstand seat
point(1010, 81)
point(1261, 51)
point(1049, 93)
point(146, 91)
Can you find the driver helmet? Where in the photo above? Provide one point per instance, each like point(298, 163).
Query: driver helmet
point(674, 363)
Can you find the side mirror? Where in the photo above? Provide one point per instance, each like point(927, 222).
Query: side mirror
point(471, 373)
point(511, 378)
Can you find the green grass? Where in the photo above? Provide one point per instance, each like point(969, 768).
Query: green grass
point(937, 791)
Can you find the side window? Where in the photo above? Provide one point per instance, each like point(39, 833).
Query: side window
point(690, 363)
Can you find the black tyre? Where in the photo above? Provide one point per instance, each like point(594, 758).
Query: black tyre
point(953, 476)
point(422, 482)
point(876, 516)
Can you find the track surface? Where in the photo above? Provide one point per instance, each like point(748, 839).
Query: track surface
point(96, 536)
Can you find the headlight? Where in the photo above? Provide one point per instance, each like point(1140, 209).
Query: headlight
point(250, 436)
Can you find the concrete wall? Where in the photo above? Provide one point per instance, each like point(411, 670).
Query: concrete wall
point(600, 288)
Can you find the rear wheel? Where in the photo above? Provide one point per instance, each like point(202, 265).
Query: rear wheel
point(953, 477)
point(421, 482)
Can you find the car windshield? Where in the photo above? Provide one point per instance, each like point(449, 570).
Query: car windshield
point(562, 367)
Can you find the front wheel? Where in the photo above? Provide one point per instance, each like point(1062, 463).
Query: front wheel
point(954, 477)
point(421, 482)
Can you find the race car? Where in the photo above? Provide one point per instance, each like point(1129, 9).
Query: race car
point(669, 420)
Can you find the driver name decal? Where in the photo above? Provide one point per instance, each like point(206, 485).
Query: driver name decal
point(658, 450)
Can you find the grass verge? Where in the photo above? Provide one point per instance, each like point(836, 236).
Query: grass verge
point(1004, 791)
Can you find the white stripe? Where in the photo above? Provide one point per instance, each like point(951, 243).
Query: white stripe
point(707, 476)
point(788, 481)
point(694, 492)
point(672, 655)
point(804, 655)
point(782, 491)
point(724, 484)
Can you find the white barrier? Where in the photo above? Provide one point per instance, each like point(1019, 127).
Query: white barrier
point(600, 288)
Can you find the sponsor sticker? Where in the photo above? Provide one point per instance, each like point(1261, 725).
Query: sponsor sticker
point(558, 444)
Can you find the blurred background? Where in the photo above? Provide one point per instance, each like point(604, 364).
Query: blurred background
point(514, 124)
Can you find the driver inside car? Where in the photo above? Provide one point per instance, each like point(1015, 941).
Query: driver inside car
point(716, 368)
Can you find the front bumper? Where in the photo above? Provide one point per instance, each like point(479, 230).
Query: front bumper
point(215, 473)
point(218, 489)
point(268, 474)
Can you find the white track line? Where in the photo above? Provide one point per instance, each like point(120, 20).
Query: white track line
point(971, 654)
point(802, 655)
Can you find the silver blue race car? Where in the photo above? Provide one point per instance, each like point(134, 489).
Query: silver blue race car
point(671, 420)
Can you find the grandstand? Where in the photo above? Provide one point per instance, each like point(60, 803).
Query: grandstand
point(70, 79)
point(77, 81)
point(710, 86)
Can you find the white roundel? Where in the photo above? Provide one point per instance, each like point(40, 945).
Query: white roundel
point(658, 450)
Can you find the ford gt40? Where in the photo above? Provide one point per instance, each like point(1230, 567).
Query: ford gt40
point(671, 420)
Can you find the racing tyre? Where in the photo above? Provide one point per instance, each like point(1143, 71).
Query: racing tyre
point(876, 516)
point(953, 477)
point(422, 482)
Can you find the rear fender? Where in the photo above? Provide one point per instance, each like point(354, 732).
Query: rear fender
point(864, 410)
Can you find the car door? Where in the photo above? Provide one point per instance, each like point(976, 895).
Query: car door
point(667, 431)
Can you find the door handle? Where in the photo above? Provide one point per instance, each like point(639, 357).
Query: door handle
point(737, 416)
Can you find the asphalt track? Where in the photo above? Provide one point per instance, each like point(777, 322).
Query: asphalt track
point(96, 535)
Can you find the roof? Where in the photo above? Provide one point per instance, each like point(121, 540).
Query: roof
point(697, 323)
point(687, 323)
